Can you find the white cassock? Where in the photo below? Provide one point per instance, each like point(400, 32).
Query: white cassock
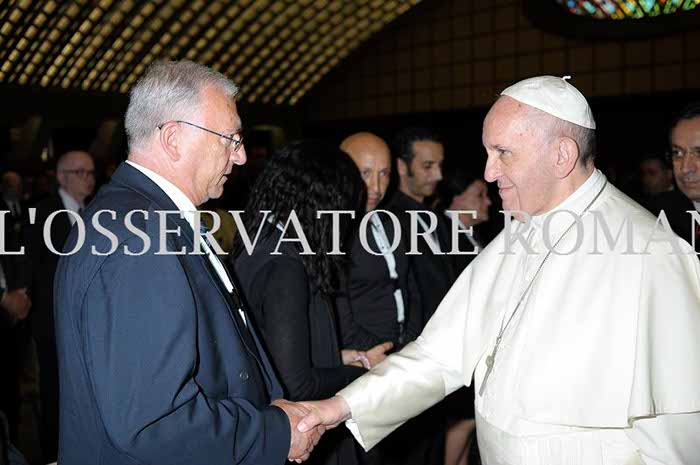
point(599, 366)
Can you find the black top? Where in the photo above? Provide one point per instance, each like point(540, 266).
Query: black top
point(43, 264)
point(296, 321)
point(367, 308)
point(434, 273)
point(299, 331)
point(676, 206)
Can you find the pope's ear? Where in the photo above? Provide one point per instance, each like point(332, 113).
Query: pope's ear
point(565, 157)
point(170, 138)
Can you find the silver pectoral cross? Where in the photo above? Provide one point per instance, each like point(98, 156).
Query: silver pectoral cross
point(489, 367)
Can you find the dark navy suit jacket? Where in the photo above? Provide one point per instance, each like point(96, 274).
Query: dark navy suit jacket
point(156, 365)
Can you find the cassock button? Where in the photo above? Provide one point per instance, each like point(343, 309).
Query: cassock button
point(244, 375)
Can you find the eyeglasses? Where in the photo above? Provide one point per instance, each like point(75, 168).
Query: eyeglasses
point(229, 138)
point(82, 174)
point(675, 155)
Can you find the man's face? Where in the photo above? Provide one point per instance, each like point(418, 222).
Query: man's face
point(12, 185)
point(656, 178)
point(517, 155)
point(211, 160)
point(425, 170)
point(77, 176)
point(686, 137)
point(373, 160)
point(474, 198)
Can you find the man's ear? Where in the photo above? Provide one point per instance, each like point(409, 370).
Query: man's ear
point(402, 167)
point(566, 157)
point(170, 139)
point(61, 178)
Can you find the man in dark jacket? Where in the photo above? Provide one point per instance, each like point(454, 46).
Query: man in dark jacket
point(158, 361)
point(420, 155)
point(75, 172)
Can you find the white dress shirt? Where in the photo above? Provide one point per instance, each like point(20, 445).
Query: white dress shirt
point(69, 203)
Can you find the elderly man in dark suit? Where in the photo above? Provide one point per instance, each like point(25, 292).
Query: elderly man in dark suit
point(75, 172)
point(158, 361)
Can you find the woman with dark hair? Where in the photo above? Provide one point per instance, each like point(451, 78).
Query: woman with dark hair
point(289, 291)
point(464, 191)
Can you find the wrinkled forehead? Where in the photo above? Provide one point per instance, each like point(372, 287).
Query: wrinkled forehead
point(374, 155)
point(365, 148)
point(79, 160)
point(686, 133)
point(428, 150)
point(509, 118)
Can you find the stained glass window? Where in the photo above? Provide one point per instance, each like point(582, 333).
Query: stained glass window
point(627, 9)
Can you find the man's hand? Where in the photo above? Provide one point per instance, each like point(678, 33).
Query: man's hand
point(378, 353)
point(328, 413)
point(302, 443)
point(16, 303)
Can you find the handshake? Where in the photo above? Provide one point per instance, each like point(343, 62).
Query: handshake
point(309, 420)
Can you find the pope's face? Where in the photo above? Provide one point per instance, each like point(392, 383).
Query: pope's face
point(518, 155)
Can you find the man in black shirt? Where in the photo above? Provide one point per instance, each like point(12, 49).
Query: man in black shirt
point(420, 155)
point(378, 304)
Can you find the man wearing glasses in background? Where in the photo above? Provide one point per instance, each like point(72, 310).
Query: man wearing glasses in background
point(75, 172)
point(685, 156)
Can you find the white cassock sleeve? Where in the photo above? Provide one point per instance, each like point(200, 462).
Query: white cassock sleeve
point(419, 376)
point(664, 410)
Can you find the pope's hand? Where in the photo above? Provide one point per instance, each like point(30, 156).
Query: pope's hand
point(301, 443)
point(328, 413)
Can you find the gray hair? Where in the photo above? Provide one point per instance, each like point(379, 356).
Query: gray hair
point(169, 90)
point(551, 127)
point(585, 138)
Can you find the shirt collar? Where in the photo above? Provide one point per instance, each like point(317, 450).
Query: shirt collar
point(575, 203)
point(68, 201)
point(181, 201)
point(697, 206)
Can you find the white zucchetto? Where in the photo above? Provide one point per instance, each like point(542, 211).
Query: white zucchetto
point(555, 96)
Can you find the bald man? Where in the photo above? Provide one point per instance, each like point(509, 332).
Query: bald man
point(375, 308)
point(382, 302)
point(75, 172)
point(373, 158)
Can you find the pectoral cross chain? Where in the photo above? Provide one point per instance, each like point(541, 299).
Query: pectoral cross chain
point(489, 366)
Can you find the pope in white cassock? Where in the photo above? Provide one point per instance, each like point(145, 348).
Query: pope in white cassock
point(580, 322)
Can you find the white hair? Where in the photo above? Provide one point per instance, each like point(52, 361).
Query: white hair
point(169, 90)
point(550, 128)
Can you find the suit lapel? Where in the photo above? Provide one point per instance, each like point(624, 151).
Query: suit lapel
point(133, 179)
